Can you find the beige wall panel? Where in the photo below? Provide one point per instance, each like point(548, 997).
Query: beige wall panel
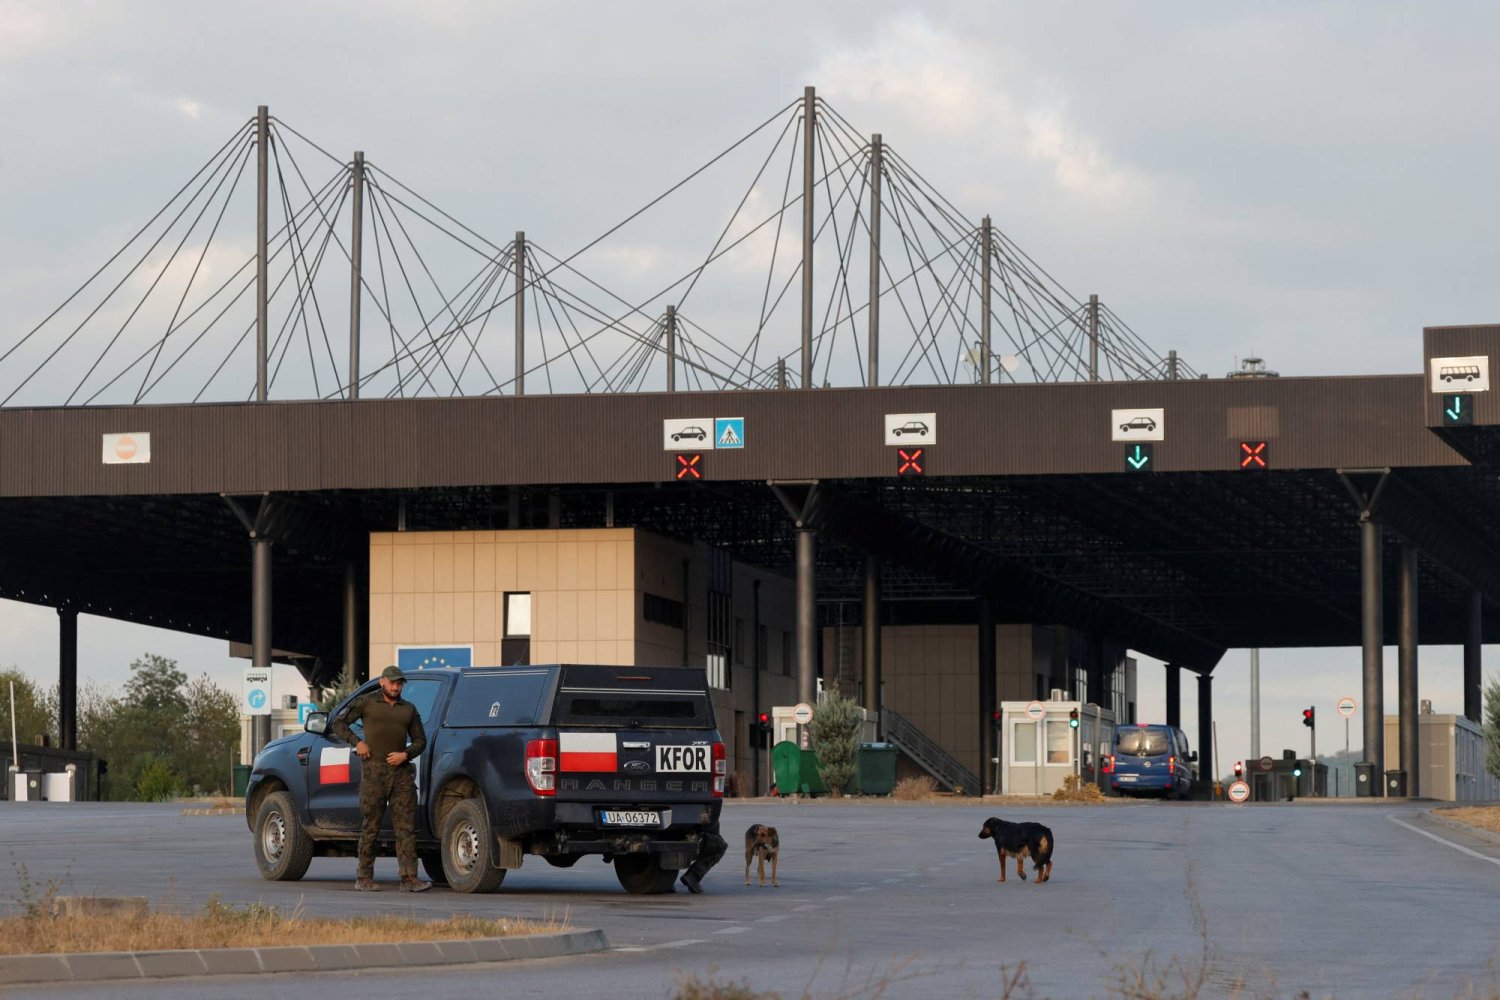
point(422, 617)
point(606, 557)
point(380, 538)
point(544, 652)
point(526, 574)
point(486, 622)
point(565, 623)
point(487, 653)
point(588, 567)
point(567, 565)
point(422, 580)
point(508, 567)
point(382, 655)
point(543, 611)
point(403, 614)
point(380, 618)
point(442, 618)
point(588, 615)
point(463, 566)
point(546, 565)
point(442, 568)
point(404, 537)
point(463, 617)
point(381, 560)
point(567, 651)
point(403, 565)
point(484, 566)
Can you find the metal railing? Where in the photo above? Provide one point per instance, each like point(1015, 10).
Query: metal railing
point(924, 750)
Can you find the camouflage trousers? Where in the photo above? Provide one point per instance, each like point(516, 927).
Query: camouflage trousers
point(711, 848)
point(380, 784)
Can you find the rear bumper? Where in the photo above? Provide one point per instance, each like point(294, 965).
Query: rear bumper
point(577, 830)
point(1142, 782)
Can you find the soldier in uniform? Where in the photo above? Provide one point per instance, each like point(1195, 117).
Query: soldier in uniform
point(393, 736)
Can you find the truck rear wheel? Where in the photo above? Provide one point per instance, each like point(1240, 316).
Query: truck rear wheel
point(469, 854)
point(432, 864)
point(283, 850)
point(640, 876)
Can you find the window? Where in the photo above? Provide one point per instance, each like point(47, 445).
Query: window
point(740, 645)
point(661, 610)
point(517, 615)
point(1059, 742)
point(631, 710)
point(498, 698)
point(423, 696)
point(786, 653)
point(1022, 742)
point(1143, 742)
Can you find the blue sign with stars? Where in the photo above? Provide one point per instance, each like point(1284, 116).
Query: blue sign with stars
point(422, 657)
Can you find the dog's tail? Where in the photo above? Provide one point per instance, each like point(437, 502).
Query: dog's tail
point(1044, 843)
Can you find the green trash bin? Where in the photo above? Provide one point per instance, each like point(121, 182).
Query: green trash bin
point(875, 768)
point(812, 775)
point(786, 767)
point(241, 779)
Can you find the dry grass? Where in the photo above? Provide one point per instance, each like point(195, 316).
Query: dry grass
point(1483, 817)
point(1075, 789)
point(44, 927)
point(917, 788)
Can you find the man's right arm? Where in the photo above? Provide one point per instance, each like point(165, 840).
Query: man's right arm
point(342, 722)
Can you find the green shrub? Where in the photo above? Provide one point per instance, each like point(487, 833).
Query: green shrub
point(835, 734)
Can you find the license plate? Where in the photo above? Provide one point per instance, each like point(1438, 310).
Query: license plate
point(1128, 777)
point(636, 817)
point(682, 760)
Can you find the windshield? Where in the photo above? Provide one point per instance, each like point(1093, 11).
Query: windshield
point(1141, 742)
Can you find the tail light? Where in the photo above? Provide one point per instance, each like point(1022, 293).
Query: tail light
point(721, 770)
point(1109, 764)
point(1171, 766)
point(541, 766)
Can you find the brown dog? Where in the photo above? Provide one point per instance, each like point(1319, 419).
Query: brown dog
point(761, 844)
point(1020, 841)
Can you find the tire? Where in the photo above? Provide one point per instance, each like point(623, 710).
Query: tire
point(432, 864)
point(283, 850)
point(640, 876)
point(469, 857)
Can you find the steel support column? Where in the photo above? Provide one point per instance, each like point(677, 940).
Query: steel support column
point(807, 620)
point(757, 667)
point(67, 678)
point(1174, 695)
point(809, 140)
point(1406, 669)
point(351, 623)
point(870, 646)
point(987, 701)
point(518, 263)
point(877, 166)
point(260, 627)
point(671, 332)
point(1372, 640)
point(1255, 704)
point(356, 256)
point(986, 243)
point(262, 215)
point(1473, 647)
point(1206, 728)
point(1093, 338)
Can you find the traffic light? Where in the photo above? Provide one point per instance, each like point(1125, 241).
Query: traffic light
point(763, 730)
point(1073, 717)
point(995, 718)
point(1308, 720)
point(1239, 770)
point(1297, 771)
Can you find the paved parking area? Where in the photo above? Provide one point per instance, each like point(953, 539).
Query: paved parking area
point(1348, 900)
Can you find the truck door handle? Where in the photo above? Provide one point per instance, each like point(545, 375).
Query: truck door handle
point(302, 756)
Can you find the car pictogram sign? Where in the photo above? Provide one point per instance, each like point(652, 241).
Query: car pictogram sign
point(909, 461)
point(689, 466)
point(1254, 455)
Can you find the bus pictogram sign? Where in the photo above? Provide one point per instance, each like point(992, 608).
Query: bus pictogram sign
point(1254, 455)
point(909, 461)
point(690, 466)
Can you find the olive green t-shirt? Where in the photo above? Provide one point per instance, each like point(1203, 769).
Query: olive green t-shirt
point(387, 726)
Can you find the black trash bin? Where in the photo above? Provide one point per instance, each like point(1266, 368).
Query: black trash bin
point(1364, 779)
point(1395, 784)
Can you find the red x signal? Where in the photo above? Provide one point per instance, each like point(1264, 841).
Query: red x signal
point(909, 463)
point(1253, 455)
point(690, 466)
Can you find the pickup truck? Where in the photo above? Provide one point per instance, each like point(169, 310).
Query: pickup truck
point(558, 761)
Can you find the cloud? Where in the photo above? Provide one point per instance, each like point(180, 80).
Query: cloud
point(23, 29)
point(188, 107)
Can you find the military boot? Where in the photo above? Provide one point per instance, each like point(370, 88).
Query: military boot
point(365, 883)
point(410, 883)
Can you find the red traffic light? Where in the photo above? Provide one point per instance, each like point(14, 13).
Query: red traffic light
point(765, 718)
point(1239, 768)
point(1308, 719)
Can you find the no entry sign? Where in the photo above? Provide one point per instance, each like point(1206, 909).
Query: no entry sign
point(1346, 707)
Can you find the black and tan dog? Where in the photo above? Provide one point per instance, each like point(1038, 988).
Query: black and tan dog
point(762, 844)
point(1020, 841)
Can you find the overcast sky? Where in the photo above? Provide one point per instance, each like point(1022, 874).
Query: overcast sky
point(1309, 183)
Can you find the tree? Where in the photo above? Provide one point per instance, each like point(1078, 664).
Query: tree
point(211, 736)
point(343, 688)
point(835, 733)
point(1492, 727)
point(35, 708)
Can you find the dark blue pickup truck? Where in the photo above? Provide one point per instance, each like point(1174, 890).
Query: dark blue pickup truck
point(556, 761)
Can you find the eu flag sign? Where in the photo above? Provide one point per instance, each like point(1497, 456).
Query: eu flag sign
point(422, 657)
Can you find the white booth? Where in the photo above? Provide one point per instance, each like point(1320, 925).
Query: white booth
point(1039, 747)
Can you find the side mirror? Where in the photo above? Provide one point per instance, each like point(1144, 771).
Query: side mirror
point(1192, 754)
point(317, 722)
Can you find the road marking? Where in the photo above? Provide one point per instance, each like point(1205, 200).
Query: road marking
point(889, 881)
point(732, 930)
point(836, 899)
point(807, 906)
point(773, 919)
point(1449, 843)
point(868, 888)
point(681, 944)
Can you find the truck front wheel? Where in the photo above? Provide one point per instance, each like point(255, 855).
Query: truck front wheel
point(469, 854)
point(641, 876)
point(283, 850)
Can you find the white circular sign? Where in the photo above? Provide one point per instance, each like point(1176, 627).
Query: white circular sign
point(802, 714)
point(1036, 710)
point(1346, 707)
point(1239, 791)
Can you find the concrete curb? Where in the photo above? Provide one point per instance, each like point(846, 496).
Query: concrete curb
point(1453, 824)
point(17, 970)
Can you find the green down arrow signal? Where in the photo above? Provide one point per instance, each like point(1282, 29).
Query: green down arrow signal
point(1139, 459)
point(1457, 409)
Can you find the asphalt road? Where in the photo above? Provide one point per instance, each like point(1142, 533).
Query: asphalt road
point(1350, 900)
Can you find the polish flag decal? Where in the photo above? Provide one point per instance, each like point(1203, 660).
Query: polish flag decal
point(333, 766)
point(586, 752)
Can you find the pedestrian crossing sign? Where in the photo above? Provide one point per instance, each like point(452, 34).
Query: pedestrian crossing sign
point(729, 432)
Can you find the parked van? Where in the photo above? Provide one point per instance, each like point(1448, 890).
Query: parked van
point(1149, 759)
